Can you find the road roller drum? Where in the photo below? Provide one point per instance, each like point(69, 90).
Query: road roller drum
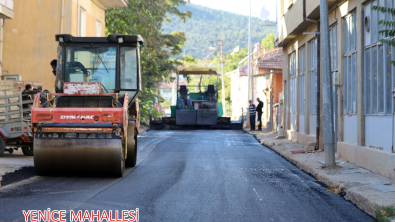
point(63, 156)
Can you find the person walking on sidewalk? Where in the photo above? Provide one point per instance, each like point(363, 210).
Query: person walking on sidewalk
point(252, 111)
point(259, 110)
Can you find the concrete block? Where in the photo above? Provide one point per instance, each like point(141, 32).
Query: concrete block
point(9, 83)
point(18, 84)
point(310, 146)
point(378, 161)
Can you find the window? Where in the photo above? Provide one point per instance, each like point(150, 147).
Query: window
point(333, 53)
point(313, 76)
point(302, 79)
point(378, 68)
point(292, 81)
point(82, 30)
point(128, 65)
point(350, 63)
point(98, 28)
point(88, 64)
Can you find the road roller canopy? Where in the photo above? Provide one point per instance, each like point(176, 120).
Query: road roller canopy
point(114, 61)
point(197, 71)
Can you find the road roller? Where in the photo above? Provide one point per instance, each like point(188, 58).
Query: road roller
point(90, 124)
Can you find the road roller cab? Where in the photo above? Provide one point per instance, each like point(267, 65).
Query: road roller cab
point(90, 124)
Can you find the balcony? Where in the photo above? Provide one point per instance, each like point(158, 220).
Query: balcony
point(291, 24)
point(113, 3)
point(7, 9)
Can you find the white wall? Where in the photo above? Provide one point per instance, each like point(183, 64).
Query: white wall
point(293, 122)
point(238, 94)
point(313, 124)
point(301, 124)
point(378, 132)
point(166, 93)
point(350, 129)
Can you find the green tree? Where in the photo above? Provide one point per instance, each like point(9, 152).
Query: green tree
point(388, 25)
point(145, 18)
point(208, 24)
point(268, 42)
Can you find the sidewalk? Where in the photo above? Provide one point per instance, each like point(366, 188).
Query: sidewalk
point(365, 189)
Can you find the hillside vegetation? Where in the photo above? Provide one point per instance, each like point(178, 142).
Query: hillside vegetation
point(207, 24)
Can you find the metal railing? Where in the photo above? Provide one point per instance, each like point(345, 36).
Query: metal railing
point(12, 111)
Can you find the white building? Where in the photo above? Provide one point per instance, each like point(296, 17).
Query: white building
point(239, 91)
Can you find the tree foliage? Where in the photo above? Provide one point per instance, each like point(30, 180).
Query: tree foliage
point(145, 18)
point(208, 24)
point(388, 31)
point(268, 42)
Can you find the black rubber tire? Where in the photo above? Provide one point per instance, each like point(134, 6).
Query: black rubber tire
point(132, 155)
point(135, 156)
point(123, 163)
point(135, 151)
point(27, 151)
point(2, 145)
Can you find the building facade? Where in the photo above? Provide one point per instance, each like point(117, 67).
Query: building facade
point(270, 66)
point(29, 39)
point(360, 68)
point(6, 14)
point(238, 92)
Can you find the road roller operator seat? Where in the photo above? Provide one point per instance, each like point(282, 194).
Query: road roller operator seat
point(183, 92)
point(210, 92)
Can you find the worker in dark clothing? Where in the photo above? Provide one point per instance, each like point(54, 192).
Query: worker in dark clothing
point(259, 110)
point(28, 94)
point(252, 110)
point(53, 65)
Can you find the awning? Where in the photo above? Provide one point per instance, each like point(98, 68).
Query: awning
point(197, 71)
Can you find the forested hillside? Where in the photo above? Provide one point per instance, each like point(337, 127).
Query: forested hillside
point(207, 24)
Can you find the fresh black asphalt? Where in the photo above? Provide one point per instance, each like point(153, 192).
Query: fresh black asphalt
point(191, 175)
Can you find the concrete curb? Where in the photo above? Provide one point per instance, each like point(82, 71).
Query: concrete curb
point(357, 191)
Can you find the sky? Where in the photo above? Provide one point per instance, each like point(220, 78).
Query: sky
point(264, 9)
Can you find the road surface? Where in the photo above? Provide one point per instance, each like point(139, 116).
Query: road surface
point(186, 175)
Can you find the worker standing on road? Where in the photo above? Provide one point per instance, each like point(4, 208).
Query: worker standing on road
point(252, 110)
point(259, 110)
point(53, 65)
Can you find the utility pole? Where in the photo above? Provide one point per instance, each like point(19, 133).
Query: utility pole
point(249, 55)
point(318, 93)
point(223, 77)
point(214, 49)
point(329, 147)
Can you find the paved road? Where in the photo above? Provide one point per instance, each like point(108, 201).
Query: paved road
point(191, 176)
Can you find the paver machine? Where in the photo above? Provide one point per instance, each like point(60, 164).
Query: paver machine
point(197, 105)
point(90, 125)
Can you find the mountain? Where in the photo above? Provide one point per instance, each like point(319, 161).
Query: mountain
point(207, 24)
